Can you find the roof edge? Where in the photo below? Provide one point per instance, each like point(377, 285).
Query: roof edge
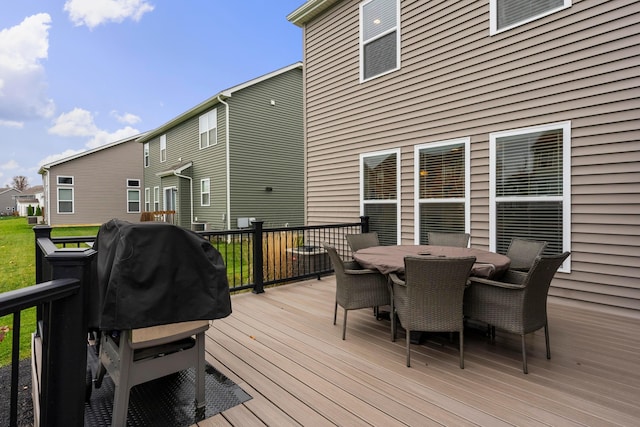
point(309, 10)
point(210, 102)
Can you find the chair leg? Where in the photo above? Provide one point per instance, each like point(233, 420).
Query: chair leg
point(199, 368)
point(408, 333)
point(344, 325)
point(122, 388)
point(461, 348)
point(546, 338)
point(524, 355)
point(335, 312)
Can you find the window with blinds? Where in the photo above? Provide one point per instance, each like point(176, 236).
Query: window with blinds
point(163, 148)
point(442, 179)
point(379, 37)
point(208, 126)
point(379, 184)
point(530, 186)
point(509, 13)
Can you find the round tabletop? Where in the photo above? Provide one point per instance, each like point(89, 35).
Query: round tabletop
point(390, 259)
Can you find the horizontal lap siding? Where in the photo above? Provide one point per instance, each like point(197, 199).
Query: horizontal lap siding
point(580, 64)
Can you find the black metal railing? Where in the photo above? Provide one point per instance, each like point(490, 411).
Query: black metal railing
point(255, 258)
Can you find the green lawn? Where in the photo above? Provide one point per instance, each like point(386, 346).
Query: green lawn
point(17, 270)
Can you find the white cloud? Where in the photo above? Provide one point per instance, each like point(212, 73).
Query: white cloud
point(127, 118)
point(77, 122)
point(54, 157)
point(11, 124)
point(23, 87)
point(104, 137)
point(95, 12)
point(10, 165)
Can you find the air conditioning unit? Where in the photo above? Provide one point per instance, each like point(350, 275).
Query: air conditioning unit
point(199, 226)
point(245, 222)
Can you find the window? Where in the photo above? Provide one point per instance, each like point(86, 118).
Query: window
point(133, 201)
point(442, 182)
point(156, 199)
point(65, 200)
point(147, 199)
point(379, 193)
point(506, 14)
point(163, 148)
point(379, 38)
point(208, 129)
point(133, 183)
point(205, 192)
point(146, 154)
point(530, 181)
point(65, 180)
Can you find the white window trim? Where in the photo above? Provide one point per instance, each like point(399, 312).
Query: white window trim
point(467, 184)
point(64, 183)
point(208, 181)
point(364, 202)
point(73, 200)
point(210, 126)
point(566, 184)
point(156, 198)
point(493, 17)
point(362, 42)
point(163, 148)
point(146, 154)
point(131, 189)
point(147, 199)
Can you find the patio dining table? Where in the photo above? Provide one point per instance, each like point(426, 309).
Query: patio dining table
point(390, 259)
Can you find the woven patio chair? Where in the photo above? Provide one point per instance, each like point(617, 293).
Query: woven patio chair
point(362, 240)
point(460, 240)
point(431, 297)
point(517, 303)
point(523, 253)
point(356, 287)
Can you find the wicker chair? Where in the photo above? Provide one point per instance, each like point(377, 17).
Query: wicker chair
point(356, 287)
point(460, 240)
point(362, 240)
point(431, 297)
point(516, 304)
point(523, 253)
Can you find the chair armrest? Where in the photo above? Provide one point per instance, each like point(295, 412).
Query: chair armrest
point(396, 280)
point(352, 265)
point(361, 271)
point(495, 283)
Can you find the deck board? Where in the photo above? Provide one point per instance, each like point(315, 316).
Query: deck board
point(283, 349)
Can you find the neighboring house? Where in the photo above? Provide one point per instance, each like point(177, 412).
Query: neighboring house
point(32, 196)
point(8, 201)
point(503, 118)
point(236, 156)
point(95, 186)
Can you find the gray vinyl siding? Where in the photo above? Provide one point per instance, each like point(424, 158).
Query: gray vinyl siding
point(267, 151)
point(99, 185)
point(580, 64)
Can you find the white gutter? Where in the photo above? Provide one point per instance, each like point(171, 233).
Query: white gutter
point(190, 189)
point(228, 161)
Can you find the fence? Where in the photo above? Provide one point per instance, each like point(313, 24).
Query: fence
point(254, 257)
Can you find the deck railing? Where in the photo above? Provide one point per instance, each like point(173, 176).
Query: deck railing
point(255, 258)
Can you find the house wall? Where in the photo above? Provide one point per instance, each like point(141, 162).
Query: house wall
point(99, 185)
point(267, 151)
point(8, 201)
point(579, 64)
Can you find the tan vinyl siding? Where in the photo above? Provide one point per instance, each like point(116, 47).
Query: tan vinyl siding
point(580, 65)
point(99, 185)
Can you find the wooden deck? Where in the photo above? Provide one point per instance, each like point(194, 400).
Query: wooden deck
point(282, 348)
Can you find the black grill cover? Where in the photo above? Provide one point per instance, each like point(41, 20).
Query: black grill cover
point(154, 273)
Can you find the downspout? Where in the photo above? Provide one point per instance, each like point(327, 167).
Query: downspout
point(190, 190)
point(228, 162)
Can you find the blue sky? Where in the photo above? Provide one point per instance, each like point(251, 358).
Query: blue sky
point(77, 74)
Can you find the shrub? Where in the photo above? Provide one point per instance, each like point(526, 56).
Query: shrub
point(38, 211)
point(29, 210)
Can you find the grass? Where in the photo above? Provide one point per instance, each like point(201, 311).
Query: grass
point(17, 270)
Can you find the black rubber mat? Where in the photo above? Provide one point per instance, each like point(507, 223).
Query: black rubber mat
point(166, 401)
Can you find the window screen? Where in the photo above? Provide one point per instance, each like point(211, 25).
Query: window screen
point(65, 200)
point(379, 36)
point(380, 194)
point(510, 12)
